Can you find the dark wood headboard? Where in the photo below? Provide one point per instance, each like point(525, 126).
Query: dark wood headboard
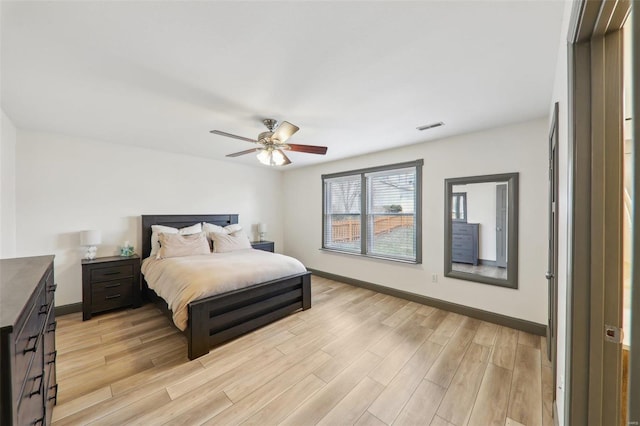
point(179, 221)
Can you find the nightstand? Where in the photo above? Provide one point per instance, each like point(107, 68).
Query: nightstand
point(263, 245)
point(110, 283)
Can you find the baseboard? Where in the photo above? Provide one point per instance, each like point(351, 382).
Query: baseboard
point(68, 309)
point(517, 323)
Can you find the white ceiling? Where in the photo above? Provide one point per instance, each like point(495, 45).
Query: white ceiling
point(354, 76)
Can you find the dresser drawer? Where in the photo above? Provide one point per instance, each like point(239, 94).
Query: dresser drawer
point(462, 229)
point(50, 338)
point(28, 340)
point(110, 273)
point(462, 241)
point(112, 294)
point(31, 411)
point(30, 404)
point(49, 288)
point(462, 253)
point(51, 394)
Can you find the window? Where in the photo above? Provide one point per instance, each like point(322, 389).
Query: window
point(374, 212)
point(459, 206)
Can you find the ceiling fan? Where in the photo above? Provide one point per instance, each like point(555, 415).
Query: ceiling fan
point(273, 143)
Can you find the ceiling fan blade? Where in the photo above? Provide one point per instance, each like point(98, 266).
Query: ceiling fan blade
point(284, 131)
point(311, 149)
point(249, 151)
point(229, 135)
point(286, 159)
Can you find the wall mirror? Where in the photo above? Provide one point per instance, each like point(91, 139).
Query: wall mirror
point(481, 229)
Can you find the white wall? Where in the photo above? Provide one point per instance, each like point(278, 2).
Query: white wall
point(517, 148)
point(7, 187)
point(561, 95)
point(66, 184)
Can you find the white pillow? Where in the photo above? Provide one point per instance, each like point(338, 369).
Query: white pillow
point(230, 229)
point(210, 227)
point(176, 245)
point(223, 243)
point(157, 229)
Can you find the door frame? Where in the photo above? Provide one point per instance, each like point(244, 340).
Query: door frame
point(552, 265)
point(633, 410)
point(594, 211)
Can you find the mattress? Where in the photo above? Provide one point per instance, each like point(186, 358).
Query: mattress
point(181, 280)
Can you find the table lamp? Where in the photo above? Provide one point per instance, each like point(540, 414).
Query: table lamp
point(90, 239)
point(262, 229)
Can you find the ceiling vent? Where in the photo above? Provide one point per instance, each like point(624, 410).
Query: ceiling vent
point(430, 126)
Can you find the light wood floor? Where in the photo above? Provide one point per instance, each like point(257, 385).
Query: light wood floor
point(356, 357)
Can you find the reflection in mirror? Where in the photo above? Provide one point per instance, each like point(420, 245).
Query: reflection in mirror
point(459, 206)
point(481, 229)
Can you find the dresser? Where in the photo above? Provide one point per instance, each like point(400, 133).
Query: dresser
point(110, 283)
point(28, 387)
point(464, 242)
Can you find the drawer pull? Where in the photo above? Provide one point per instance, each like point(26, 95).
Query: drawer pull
point(40, 421)
point(115, 296)
point(43, 309)
point(55, 395)
point(53, 358)
point(52, 326)
point(112, 285)
point(52, 288)
point(112, 273)
point(39, 391)
point(35, 345)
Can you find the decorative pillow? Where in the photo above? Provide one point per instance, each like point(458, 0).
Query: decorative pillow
point(210, 227)
point(157, 229)
point(230, 229)
point(176, 245)
point(223, 243)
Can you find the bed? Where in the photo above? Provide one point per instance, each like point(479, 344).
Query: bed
point(222, 317)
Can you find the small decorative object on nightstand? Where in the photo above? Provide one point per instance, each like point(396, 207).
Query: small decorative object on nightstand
point(126, 250)
point(263, 245)
point(110, 283)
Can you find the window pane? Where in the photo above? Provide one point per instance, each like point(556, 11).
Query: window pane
point(391, 213)
point(342, 213)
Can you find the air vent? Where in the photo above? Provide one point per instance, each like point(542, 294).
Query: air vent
point(430, 126)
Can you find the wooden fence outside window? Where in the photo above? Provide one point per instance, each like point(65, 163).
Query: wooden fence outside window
point(349, 230)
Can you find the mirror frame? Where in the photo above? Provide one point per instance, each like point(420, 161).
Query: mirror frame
point(512, 240)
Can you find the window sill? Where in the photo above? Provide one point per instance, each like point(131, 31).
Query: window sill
point(371, 256)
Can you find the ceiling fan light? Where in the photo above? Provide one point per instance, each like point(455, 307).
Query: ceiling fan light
point(277, 157)
point(264, 156)
point(271, 157)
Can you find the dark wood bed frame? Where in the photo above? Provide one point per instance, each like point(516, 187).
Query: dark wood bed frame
point(216, 319)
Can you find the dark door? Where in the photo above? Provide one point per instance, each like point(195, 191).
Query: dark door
point(552, 263)
point(501, 226)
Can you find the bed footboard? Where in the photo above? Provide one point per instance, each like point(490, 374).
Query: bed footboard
point(217, 319)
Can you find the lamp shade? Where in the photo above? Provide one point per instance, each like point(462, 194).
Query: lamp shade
point(90, 238)
point(271, 157)
point(262, 227)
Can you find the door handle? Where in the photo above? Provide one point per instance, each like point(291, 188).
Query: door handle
point(548, 275)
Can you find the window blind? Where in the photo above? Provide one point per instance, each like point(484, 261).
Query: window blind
point(391, 219)
point(342, 213)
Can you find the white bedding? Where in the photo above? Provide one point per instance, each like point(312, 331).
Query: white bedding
point(180, 280)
